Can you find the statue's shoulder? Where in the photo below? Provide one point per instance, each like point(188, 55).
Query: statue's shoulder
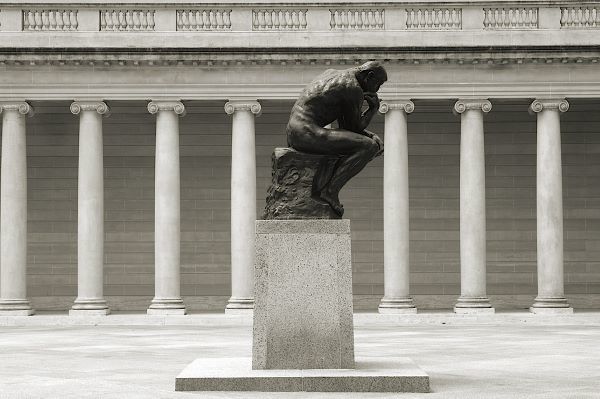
point(333, 80)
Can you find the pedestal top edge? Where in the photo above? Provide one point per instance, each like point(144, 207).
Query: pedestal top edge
point(314, 226)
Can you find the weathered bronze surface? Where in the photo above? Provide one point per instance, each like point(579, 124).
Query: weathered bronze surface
point(341, 152)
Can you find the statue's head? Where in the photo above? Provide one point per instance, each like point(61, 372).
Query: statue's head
point(371, 75)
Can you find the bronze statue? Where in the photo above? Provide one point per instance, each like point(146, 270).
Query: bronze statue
point(339, 96)
point(339, 153)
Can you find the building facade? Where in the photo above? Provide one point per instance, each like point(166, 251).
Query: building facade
point(137, 135)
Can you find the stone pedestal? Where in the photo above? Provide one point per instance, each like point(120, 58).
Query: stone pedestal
point(303, 322)
point(303, 295)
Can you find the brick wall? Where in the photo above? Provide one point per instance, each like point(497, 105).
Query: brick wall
point(434, 137)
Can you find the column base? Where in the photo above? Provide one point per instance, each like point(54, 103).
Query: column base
point(15, 307)
point(166, 306)
point(89, 307)
point(551, 305)
point(237, 305)
point(397, 305)
point(473, 305)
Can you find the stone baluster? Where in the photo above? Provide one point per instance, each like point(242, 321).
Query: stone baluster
point(396, 210)
point(550, 268)
point(167, 247)
point(13, 210)
point(90, 210)
point(473, 297)
point(243, 204)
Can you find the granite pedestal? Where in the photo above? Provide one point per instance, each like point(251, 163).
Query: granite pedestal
point(303, 337)
point(303, 295)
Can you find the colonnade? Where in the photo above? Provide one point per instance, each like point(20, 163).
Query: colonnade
point(167, 299)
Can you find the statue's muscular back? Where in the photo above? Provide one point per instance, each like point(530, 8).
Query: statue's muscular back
point(323, 101)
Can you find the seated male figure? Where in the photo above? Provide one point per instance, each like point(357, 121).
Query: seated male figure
point(338, 95)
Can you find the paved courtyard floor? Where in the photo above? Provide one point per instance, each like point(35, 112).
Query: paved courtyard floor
point(499, 357)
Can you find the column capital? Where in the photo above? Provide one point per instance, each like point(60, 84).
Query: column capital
point(403, 105)
point(540, 104)
point(160, 105)
point(23, 107)
point(243, 105)
point(477, 104)
point(98, 106)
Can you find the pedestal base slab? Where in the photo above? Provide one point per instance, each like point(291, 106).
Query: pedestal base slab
point(390, 374)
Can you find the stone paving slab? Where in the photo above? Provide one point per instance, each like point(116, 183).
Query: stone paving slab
point(371, 374)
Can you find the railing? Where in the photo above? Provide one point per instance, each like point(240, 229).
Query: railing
point(434, 18)
point(127, 20)
point(169, 15)
point(50, 20)
point(357, 19)
point(279, 19)
point(580, 17)
point(510, 18)
point(205, 19)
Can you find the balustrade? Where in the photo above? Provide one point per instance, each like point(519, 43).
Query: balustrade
point(206, 19)
point(363, 16)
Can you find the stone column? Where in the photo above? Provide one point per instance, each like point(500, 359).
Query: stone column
point(473, 297)
point(90, 210)
point(395, 210)
point(551, 294)
point(167, 286)
point(13, 211)
point(243, 204)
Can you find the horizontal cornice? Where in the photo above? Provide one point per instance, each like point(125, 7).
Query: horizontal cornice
point(282, 91)
point(118, 57)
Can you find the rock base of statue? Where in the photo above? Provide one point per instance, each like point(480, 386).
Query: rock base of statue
point(303, 338)
point(297, 180)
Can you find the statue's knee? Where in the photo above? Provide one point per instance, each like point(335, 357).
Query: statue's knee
point(373, 147)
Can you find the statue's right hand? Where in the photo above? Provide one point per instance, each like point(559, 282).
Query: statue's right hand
point(379, 143)
point(372, 99)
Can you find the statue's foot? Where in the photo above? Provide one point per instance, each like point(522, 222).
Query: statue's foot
point(333, 201)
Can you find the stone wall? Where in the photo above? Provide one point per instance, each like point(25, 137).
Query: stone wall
point(434, 134)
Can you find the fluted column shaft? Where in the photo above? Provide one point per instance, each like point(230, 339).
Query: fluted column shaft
point(13, 210)
point(90, 210)
point(167, 236)
point(396, 238)
point(243, 204)
point(473, 297)
point(550, 269)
